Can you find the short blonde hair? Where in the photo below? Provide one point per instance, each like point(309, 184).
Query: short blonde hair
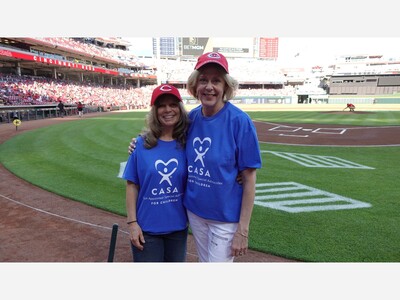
point(231, 84)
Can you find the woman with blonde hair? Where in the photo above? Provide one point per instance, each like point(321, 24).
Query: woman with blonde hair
point(222, 142)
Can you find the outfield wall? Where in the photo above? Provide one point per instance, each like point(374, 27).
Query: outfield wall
point(311, 107)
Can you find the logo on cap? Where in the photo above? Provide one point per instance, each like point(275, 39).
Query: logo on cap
point(166, 88)
point(214, 55)
point(162, 90)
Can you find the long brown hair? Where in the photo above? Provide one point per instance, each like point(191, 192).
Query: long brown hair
point(152, 132)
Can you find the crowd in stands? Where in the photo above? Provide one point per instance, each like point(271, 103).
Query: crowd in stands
point(30, 90)
point(244, 70)
point(116, 55)
point(27, 90)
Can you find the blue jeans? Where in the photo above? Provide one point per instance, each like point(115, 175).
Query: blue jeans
point(169, 247)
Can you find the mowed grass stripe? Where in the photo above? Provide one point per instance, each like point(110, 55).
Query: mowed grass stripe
point(353, 235)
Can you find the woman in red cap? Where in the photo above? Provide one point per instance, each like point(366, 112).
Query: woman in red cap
point(222, 142)
point(156, 175)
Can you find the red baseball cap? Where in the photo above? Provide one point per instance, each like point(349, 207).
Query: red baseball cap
point(212, 57)
point(163, 90)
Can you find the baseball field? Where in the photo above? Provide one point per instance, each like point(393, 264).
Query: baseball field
point(327, 192)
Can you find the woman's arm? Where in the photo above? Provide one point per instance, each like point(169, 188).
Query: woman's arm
point(135, 232)
point(240, 239)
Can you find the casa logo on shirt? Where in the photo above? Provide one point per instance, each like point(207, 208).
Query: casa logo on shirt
point(200, 147)
point(165, 169)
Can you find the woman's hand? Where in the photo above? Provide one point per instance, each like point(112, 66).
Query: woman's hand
point(136, 235)
point(239, 178)
point(132, 146)
point(240, 244)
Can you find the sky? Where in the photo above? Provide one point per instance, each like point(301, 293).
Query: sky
point(141, 46)
point(316, 30)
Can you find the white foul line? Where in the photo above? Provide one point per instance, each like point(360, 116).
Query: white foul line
point(293, 135)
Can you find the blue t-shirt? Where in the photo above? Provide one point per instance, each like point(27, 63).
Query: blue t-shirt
point(217, 148)
point(161, 173)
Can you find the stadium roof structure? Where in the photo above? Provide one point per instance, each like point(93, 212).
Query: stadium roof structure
point(43, 56)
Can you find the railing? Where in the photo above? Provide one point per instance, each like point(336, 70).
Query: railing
point(32, 112)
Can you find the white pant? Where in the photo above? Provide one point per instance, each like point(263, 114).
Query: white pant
point(213, 239)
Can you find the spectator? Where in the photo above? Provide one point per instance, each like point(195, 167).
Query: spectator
point(61, 109)
point(14, 115)
point(80, 109)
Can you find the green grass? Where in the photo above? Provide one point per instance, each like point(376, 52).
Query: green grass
point(80, 160)
point(367, 234)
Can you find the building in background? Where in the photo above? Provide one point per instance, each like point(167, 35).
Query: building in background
point(192, 47)
point(269, 48)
